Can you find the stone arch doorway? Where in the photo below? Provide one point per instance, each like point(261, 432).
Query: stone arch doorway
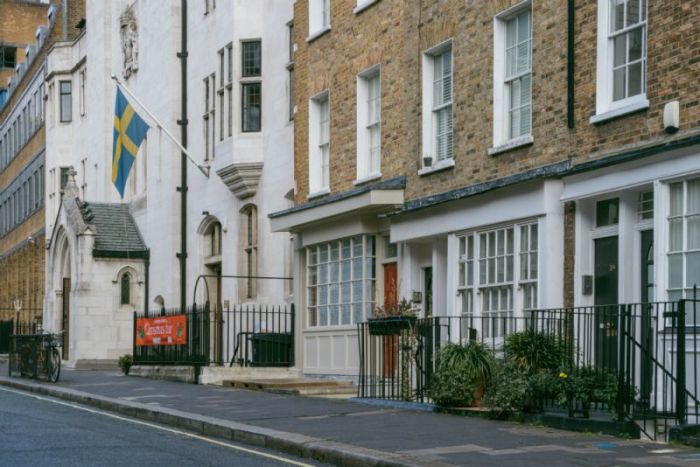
point(212, 265)
point(62, 285)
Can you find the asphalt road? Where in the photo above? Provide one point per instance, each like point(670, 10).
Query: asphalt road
point(37, 431)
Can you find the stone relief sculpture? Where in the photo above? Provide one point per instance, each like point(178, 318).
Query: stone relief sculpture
point(130, 40)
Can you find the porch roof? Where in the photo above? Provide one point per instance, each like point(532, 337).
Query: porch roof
point(116, 232)
point(371, 198)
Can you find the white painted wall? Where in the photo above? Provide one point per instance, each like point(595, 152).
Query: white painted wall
point(151, 190)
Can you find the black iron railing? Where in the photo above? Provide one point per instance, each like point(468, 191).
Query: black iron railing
point(246, 335)
point(640, 344)
point(30, 353)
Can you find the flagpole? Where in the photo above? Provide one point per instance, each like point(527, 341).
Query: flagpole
point(203, 169)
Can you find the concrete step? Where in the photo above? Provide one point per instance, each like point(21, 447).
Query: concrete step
point(282, 383)
point(297, 386)
point(349, 391)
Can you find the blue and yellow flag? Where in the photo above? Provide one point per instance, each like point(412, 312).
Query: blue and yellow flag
point(129, 131)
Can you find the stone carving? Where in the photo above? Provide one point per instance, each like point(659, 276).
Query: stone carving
point(130, 41)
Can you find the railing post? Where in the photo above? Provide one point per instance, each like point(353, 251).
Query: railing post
point(681, 402)
point(133, 339)
point(292, 362)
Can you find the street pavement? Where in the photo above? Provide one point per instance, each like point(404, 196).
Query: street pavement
point(425, 437)
point(38, 431)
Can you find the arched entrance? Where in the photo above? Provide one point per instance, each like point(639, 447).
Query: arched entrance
point(62, 285)
point(210, 229)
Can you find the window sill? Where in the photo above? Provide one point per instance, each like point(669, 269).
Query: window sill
point(318, 34)
point(635, 106)
point(514, 143)
point(442, 165)
point(319, 193)
point(363, 6)
point(367, 178)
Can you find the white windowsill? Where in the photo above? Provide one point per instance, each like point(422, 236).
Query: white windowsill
point(316, 194)
point(318, 34)
point(442, 165)
point(363, 6)
point(635, 106)
point(367, 178)
point(512, 144)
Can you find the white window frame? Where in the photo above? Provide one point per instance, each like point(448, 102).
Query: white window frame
point(685, 250)
point(501, 89)
point(367, 278)
point(319, 18)
point(429, 110)
point(473, 293)
point(606, 108)
point(367, 168)
point(319, 172)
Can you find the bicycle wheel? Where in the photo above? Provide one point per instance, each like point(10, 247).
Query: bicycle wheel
point(54, 366)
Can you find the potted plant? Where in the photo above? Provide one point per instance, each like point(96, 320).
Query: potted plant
point(463, 371)
point(392, 319)
point(427, 161)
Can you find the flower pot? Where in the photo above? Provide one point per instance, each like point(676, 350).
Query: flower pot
point(390, 326)
point(427, 161)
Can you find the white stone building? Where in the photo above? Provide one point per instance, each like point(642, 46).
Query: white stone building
point(238, 124)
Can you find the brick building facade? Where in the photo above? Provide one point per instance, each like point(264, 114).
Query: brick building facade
point(32, 28)
point(521, 142)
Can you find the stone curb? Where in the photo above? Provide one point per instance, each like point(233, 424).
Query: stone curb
point(290, 443)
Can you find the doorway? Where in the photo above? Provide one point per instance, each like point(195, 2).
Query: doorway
point(647, 296)
point(428, 292)
point(391, 343)
point(65, 321)
point(605, 297)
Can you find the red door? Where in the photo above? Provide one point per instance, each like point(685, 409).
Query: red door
point(391, 343)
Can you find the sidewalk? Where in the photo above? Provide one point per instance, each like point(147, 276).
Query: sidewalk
point(345, 431)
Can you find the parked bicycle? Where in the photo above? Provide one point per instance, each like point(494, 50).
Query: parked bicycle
point(39, 355)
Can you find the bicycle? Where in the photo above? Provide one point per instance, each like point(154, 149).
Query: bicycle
point(39, 354)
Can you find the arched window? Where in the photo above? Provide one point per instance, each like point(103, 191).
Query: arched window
point(213, 240)
point(125, 287)
point(249, 246)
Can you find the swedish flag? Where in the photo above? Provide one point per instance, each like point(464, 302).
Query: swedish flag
point(129, 131)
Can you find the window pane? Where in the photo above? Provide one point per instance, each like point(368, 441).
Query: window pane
point(618, 21)
point(619, 83)
point(632, 12)
point(675, 271)
point(607, 212)
point(692, 270)
point(676, 199)
point(635, 44)
point(635, 79)
point(251, 58)
point(251, 107)
point(675, 242)
point(694, 196)
point(620, 44)
point(694, 233)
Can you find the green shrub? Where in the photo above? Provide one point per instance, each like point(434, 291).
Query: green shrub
point(532, 351)
point(588, 385)
point(508, 392)
point(461, 369)
point(125, 363)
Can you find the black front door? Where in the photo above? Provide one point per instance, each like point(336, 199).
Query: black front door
point(647, 296)
point(605, 295)
point(428, 292)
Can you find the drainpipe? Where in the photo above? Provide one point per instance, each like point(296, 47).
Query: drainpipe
point(570, 65)
point(182, 255)
point(147, 266)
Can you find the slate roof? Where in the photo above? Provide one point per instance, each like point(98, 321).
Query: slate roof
point(116, 233)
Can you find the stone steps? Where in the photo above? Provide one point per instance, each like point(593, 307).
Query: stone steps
point(296, 386)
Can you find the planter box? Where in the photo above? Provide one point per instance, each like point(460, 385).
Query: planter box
point(391, 326)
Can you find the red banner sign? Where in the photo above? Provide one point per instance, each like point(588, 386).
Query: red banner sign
point(167, 330)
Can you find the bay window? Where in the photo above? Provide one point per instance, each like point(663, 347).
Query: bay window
point(340, 281)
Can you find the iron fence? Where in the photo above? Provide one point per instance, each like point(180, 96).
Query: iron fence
point(652, 349)
point(246, 335)
point(30, 353)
